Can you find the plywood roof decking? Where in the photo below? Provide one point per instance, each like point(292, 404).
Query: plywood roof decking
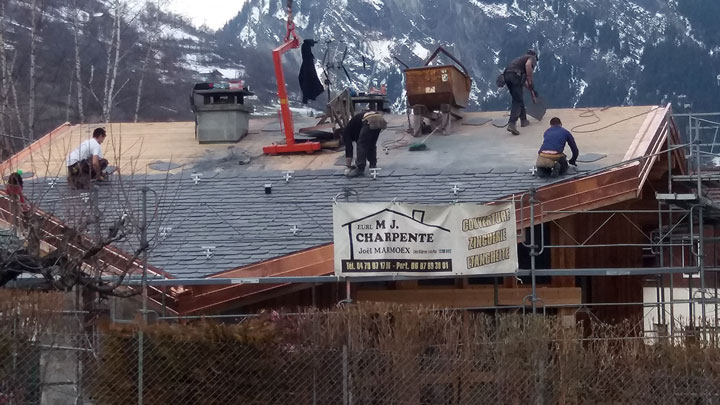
point(132, 147)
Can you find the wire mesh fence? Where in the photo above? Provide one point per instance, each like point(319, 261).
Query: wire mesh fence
point(199, 368)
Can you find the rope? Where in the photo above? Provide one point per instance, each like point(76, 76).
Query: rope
point(591, 113)
point(400, 142)
point(396, 143)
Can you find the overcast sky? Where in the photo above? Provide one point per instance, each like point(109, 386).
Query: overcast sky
point(214, 13)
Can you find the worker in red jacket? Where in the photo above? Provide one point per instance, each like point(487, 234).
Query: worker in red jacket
point(14, 189)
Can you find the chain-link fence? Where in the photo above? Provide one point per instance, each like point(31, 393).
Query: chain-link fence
point(191, 365)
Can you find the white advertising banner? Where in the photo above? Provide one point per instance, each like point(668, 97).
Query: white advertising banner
point(373, 239)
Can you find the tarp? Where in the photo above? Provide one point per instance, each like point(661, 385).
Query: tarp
point(309, 82)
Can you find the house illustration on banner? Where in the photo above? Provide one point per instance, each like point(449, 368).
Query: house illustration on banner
point(391, 222)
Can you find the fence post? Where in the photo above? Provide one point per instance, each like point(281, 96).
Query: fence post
point(140, 366)
point(533, 252)
point(345, 382)
point(314, 383)
point(141, 340)
point(79, 356)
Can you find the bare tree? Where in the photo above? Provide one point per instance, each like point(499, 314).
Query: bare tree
point(92, 238)
point(113, 61)
point(3, 93)
point(10, 83)
point(7, 85)
point(68, 101)
point(74, 259)
point(153, 31)
point(78, 73)
point(37, 7)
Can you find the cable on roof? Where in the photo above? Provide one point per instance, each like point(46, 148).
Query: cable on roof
point(400, 142)
point(396, 143)
point(591, 113)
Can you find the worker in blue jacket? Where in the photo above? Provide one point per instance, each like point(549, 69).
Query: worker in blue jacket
point(551, 161)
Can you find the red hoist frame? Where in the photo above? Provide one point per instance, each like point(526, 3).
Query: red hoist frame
point(290, 145)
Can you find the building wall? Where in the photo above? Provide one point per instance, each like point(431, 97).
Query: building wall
point(587, 232)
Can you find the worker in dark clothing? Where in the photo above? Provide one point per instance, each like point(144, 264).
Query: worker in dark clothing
point(551, 161)
point(372, 123)
point(351, 134)
point(519, 73)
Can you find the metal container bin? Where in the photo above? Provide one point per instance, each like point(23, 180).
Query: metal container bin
point(433, 86)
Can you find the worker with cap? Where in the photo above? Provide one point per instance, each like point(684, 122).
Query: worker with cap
point(350, 135)
point(551, 161)
point(519, 73)
point(367, 126)
point(86, 162)
point(14, 189)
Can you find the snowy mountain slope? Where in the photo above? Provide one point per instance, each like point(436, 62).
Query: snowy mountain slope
point(592, 52)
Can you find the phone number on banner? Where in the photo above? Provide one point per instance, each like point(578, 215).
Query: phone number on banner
point(395, 265)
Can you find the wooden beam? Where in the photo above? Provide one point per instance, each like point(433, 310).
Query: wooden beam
point(312, 262)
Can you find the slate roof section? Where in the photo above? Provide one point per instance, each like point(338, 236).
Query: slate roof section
point(232, 212)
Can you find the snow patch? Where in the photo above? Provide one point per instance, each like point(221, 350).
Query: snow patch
point(280, 14)
point(380, 49)
point(493, 10)
point(247, 36)
point(254, 15)
point(376, 4)
point(420, 51)
point(301, 20)
point(177, 34)
point(581, 86)
point(193, 62)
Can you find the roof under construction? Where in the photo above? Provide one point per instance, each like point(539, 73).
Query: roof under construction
point(610, 135)
point(217, 215)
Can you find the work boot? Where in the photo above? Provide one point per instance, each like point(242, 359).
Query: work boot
point(348, 169)
point(524, 123)
point(555, 170)
point(356, 172)
point(513, 129)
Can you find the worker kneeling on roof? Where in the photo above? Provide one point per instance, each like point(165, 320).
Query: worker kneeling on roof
point(551, 161)
point(86, 163)
point(363, 128)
